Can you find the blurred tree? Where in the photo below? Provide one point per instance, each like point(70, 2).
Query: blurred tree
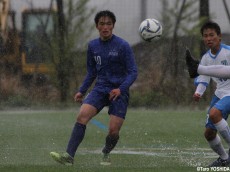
point(178, 19)
point(204, 16)
point(227, 10)
point(62, 71)
point(143, 5)
point(71, 40)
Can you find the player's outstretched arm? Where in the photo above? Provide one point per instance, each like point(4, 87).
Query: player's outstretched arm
point(195, 69)
point(219, 71)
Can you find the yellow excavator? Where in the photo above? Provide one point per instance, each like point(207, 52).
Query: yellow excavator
point(9, 37)
point(30, 49)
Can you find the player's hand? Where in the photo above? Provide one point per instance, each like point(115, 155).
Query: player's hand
point(114, 94)
point(196, 97)
point(78, 97)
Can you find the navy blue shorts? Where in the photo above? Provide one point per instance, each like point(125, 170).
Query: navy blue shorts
point(221, 104)
point(100, 98)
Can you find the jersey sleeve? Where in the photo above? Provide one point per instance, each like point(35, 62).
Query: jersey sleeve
point(202, 79)
point(91, 72)
point(200, 89)
point(131, 68)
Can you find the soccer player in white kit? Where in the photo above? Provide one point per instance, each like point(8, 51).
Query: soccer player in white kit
point(218, 54)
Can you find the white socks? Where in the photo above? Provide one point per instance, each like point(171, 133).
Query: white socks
point(217, 147)
point(219, 71)
point(223, 128)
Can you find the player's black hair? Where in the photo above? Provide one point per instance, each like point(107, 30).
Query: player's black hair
point(211, 25)
point(105, 13)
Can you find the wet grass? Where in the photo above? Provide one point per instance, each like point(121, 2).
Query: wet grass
point(150, 140)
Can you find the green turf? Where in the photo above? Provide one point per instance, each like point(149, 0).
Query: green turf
point(150, 140)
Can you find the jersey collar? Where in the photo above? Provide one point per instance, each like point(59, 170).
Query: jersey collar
point(214, 56)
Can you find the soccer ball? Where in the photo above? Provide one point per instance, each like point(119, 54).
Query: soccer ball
point(150, 30)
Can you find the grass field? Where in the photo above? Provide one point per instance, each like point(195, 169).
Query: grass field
point(150, 140)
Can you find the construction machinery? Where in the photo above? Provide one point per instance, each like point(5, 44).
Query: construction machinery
point(37, 30)
point(28, 50)
point(9, 37)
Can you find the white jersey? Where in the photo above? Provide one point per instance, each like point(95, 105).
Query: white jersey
point(221, 58)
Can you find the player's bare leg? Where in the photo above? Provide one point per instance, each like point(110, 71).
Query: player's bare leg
point(112, 138)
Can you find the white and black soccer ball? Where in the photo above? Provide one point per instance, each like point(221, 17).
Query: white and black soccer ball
point(150, 30)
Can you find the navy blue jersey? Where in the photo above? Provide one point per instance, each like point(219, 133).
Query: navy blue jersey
point(111, 63)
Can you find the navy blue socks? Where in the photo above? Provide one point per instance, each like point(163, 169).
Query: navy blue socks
point(110, 143)
point(76, 138)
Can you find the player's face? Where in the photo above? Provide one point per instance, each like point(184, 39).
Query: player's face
point(105, 27)
point(212, 40)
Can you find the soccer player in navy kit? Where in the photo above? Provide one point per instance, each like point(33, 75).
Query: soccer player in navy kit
point(110, 61)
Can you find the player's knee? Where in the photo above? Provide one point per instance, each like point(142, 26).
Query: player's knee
point(86, 114)
point(83, 119)
point(215, 115)
point(115, 126)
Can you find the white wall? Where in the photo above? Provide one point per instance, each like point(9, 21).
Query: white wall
point(128, 13)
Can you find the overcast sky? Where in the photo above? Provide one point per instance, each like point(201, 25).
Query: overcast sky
point(128, 13)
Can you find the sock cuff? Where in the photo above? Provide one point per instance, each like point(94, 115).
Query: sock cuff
point(221, 125)
point(77, 124)
point(215, 141)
